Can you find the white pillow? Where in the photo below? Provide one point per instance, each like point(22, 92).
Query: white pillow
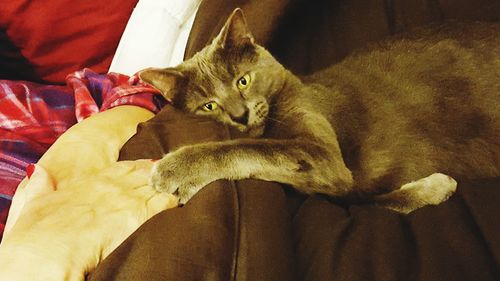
point(156, 35)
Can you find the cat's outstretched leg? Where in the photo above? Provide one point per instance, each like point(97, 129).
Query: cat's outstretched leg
point(431, 190)
point(309, 167)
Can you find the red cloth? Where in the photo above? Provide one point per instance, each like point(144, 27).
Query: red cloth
point(59, 36)
point(113, 89)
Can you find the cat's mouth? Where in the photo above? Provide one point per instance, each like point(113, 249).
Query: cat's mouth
point(256, 121)
point(253, 130)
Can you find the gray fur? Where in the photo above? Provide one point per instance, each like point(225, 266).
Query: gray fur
point(379, 127)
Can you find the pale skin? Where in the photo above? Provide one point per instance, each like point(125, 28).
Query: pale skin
point(68, 215)
point(63, 234)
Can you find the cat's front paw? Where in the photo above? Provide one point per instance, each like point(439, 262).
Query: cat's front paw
point(180, 174)
point(161, 177)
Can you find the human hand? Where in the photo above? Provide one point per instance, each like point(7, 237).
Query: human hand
point(63, 232)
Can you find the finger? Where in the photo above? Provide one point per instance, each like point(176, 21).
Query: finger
point(131, 165)
point(146, 164)
point(161, 201)
point(37, 182)
point(126, 167)
point(129, 174)
point(141, 173)
point(18, 202)
point(118, 169)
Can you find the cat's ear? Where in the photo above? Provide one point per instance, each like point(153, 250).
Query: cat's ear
point(164, 79)
point(235, 32)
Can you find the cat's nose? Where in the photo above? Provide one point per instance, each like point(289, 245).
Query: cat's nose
point(242, 119)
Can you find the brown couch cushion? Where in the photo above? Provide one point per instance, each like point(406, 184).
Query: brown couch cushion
point(457, 240)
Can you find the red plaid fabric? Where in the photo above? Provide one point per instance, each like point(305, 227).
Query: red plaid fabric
point(33, 116)
point(94, 92)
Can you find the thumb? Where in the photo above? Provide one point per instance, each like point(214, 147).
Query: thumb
point(160, 201)
point(39, 182)
point(35, 184)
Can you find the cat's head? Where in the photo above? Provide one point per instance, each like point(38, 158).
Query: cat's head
point(232, 80)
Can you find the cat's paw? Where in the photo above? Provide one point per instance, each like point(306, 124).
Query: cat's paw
point(180, 174)
point(161, 175)
point(434, 189)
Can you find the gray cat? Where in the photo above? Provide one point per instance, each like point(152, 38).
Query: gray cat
point(386, 126)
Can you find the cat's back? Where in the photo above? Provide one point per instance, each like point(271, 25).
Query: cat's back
point(441, 69)
point(435, 90)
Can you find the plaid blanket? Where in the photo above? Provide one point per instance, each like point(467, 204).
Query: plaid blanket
point(33, 116)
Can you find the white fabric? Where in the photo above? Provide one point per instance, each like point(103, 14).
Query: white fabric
point(156, 35)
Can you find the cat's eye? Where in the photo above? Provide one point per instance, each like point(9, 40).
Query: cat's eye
point(210, 106)
point(243, 82)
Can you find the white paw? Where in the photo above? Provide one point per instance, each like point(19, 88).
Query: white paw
point(433, 189)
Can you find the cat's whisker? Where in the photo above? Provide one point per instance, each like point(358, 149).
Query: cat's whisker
point(275, 120)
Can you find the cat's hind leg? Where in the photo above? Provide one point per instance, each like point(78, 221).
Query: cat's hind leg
point(431, 190)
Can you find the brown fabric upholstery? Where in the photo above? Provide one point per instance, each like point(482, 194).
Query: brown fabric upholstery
point(252, 230)
point(457, 240)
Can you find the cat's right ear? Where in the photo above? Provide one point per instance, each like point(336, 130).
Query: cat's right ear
point(164, 79)
point(235, 32)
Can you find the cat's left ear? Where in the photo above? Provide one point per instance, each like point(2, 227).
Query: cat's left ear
point(164, 79)
point(235, 32)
